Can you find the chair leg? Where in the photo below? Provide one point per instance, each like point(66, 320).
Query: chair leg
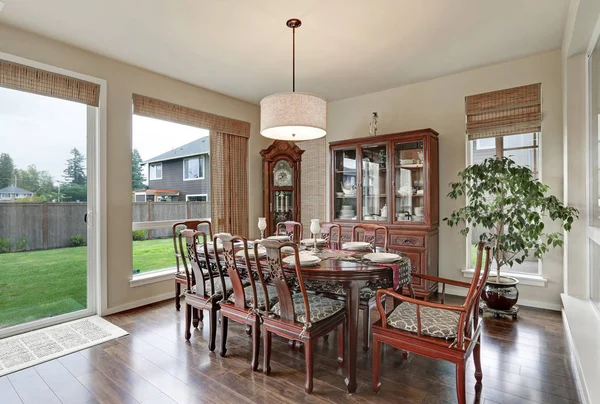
point(213, 329)
point(224, 324)
point(255, 344)
point(460, 383)
point(477, 360)
point(196, 317)
point(188, 321)
point(309, 358)
point(341, 331)
point(366, 327)
point(376, 363)
point(267, 352)
point(177, 295)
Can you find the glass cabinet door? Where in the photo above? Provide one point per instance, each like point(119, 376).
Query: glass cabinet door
point(345, 184)
point(409, 177)
point(374, 180)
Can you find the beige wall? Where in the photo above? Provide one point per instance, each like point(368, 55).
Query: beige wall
point(439, 104)
point(124, 80)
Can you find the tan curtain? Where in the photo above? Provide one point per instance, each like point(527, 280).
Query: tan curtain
point(504, 112)
point(32, 80)
point(229, 183)
point(153, 108)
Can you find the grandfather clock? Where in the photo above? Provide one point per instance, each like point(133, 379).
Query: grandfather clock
point(281, 183)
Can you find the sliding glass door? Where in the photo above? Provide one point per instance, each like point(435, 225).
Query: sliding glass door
point(47, 243)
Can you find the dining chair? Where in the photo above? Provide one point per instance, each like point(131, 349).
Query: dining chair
point(298, 316)
point(250, 293)
point(294, 230)
point(332, 233)
point(180, 277)
point(203, 295)
point(435, 330)
point(369, 233)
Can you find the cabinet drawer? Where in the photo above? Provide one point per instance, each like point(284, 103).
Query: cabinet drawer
point(408, 241)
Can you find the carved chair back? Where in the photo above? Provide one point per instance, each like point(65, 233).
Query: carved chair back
point(332, 232)
point(194, 224)
point(480, 275)
point(228, 264)
point(290, 228)
point(369, 234)
point(284, 281)
point(197, 263)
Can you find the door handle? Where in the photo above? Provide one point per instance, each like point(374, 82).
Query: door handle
point(85, 217)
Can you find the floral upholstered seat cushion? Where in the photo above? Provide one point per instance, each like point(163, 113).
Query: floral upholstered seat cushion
point(260, 295)
point(437, 323)
point(320, 307)
point(218, 286)
point(366, 293)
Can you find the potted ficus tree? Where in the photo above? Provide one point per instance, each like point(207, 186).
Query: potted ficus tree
point(511, 206)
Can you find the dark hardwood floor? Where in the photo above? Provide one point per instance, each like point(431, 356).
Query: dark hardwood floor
point(525, 361)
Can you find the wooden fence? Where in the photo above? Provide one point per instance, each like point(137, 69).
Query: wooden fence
point(50, 225)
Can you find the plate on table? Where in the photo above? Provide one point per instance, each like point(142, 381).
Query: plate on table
point(311, 241)
point(356, 246)
point(306, 260)
point(381, 257)
point(280, 238)
point(211, 248)
point(262, 252)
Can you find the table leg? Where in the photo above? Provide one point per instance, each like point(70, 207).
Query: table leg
point(352, 303)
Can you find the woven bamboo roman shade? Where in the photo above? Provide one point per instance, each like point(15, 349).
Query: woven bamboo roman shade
point(504, 112)
point(229, 183)
point(153, 108)
point(37, 81)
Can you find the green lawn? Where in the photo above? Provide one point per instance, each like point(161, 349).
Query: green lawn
point(40, 284)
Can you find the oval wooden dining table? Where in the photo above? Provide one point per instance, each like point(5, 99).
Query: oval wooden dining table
point(344, 273)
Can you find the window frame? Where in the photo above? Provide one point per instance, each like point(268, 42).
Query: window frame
point(201, 167)
point(187, 197)
point(150, 165)
point(528, 278)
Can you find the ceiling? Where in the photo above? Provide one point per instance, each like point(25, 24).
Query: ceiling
point(242, 48)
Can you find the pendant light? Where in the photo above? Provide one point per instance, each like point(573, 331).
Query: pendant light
point(293, 116)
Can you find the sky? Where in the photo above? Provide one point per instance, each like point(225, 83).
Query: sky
point(42, 131)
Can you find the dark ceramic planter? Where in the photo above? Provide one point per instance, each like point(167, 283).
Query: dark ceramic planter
point(500, 295)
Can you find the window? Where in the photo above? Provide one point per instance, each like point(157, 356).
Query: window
point(197, 198)
point(594, 177)
point(161, 145)
point(156, 171)
point(193, 168)
point(524, 150)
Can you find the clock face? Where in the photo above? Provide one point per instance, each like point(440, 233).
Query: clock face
point(282, 174)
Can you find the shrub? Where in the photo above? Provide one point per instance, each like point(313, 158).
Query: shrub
point(77, 240)
point(140, 235)
point(4, 245)
point(22, 244)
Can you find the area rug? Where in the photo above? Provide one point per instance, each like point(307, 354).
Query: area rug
point(32, 348)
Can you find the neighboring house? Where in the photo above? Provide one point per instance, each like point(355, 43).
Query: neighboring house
point(11, 193)
point(181, 174)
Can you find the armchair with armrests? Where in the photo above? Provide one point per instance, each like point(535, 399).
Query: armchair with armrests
point(436, 330)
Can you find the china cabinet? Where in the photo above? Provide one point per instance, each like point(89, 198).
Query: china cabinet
point(391, 180)
point(281, 183)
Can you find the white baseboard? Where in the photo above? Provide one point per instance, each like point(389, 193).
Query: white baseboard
point(584, 395)
point(458, 291)
point(138, 303)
